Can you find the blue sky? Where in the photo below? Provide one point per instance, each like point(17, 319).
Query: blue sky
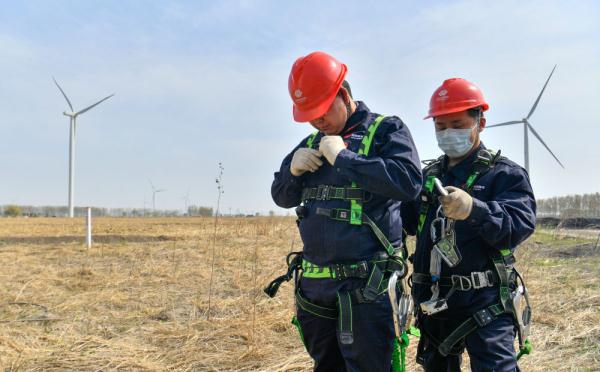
point(203, 82)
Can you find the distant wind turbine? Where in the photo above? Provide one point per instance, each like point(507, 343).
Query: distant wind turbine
point(73, 127)
point(527, 126)
point(186, 199)
point(154, 191)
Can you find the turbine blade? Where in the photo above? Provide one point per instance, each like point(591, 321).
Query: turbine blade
point(94, 105)
point(505, 123)
point(544, 143)
point(540, 96)
point(63, 93)
point(151, 185)
point(161, 190)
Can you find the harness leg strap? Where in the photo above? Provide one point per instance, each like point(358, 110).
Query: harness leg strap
point(345, 318)
point(479, 319)
point(323, 312)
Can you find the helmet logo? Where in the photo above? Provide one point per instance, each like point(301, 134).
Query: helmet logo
point(443, 95)
point(298, 93)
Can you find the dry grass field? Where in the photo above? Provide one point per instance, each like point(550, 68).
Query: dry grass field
point(139, 299)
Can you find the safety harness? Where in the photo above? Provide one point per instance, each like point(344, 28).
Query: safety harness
point(376, 271)
point(504, 274)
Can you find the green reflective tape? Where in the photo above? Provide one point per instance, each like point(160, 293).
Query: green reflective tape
point(471, 179)
point(312, 271)
point(356, 212)
point(429, 183)
point(318, 275)
point(311, 139)
point(505, 252)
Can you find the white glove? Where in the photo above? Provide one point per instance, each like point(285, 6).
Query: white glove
point(331, 146)
point(457, 204)
point(305, 159)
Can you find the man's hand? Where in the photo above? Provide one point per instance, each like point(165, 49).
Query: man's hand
point(331, 146)
point(305, 159)
point(457, 204)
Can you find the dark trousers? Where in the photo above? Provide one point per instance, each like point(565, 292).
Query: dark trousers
point(490, 348)
point(372, 328)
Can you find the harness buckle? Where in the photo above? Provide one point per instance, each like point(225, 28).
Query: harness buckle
point(483, 317)
point(338, 271)
point(484, 157)
point(367, 294)
point(461, 283)
point(322, 192)
point(361, 270)
point(434, 306)
point(482, 279)
point(345, 271)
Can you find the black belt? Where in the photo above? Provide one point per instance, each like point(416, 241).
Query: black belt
point(475, 280)
point(326, 192)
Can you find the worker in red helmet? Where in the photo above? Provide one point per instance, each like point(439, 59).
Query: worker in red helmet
point(467, 291)
point(347, 181)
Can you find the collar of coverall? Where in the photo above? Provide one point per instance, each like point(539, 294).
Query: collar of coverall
point(357, 119)
point(463, 170)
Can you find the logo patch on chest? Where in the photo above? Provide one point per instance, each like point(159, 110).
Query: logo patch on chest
point(478, 187)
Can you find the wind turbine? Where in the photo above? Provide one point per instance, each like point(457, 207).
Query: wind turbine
point(73, 127)
point(186, 199)
point(527, 126)
point(154, 191)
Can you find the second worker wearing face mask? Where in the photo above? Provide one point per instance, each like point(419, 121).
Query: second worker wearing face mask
point(492, 203)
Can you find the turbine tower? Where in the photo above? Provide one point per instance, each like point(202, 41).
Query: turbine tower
point(73, 127)
point(528, 127)
point(154, 191)
point(186, 199)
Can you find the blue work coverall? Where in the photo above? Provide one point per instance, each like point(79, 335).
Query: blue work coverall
point(503, 216)
point(391, 173)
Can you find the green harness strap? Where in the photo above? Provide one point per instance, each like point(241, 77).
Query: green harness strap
point(356, 209)
point(311, 139)
point(400, 346)
point(359, 269)
point(425, 206)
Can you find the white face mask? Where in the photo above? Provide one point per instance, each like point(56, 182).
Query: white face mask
point(455, 142)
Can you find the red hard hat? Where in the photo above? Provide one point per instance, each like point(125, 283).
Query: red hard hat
point(455, 95)
point(314, 83)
